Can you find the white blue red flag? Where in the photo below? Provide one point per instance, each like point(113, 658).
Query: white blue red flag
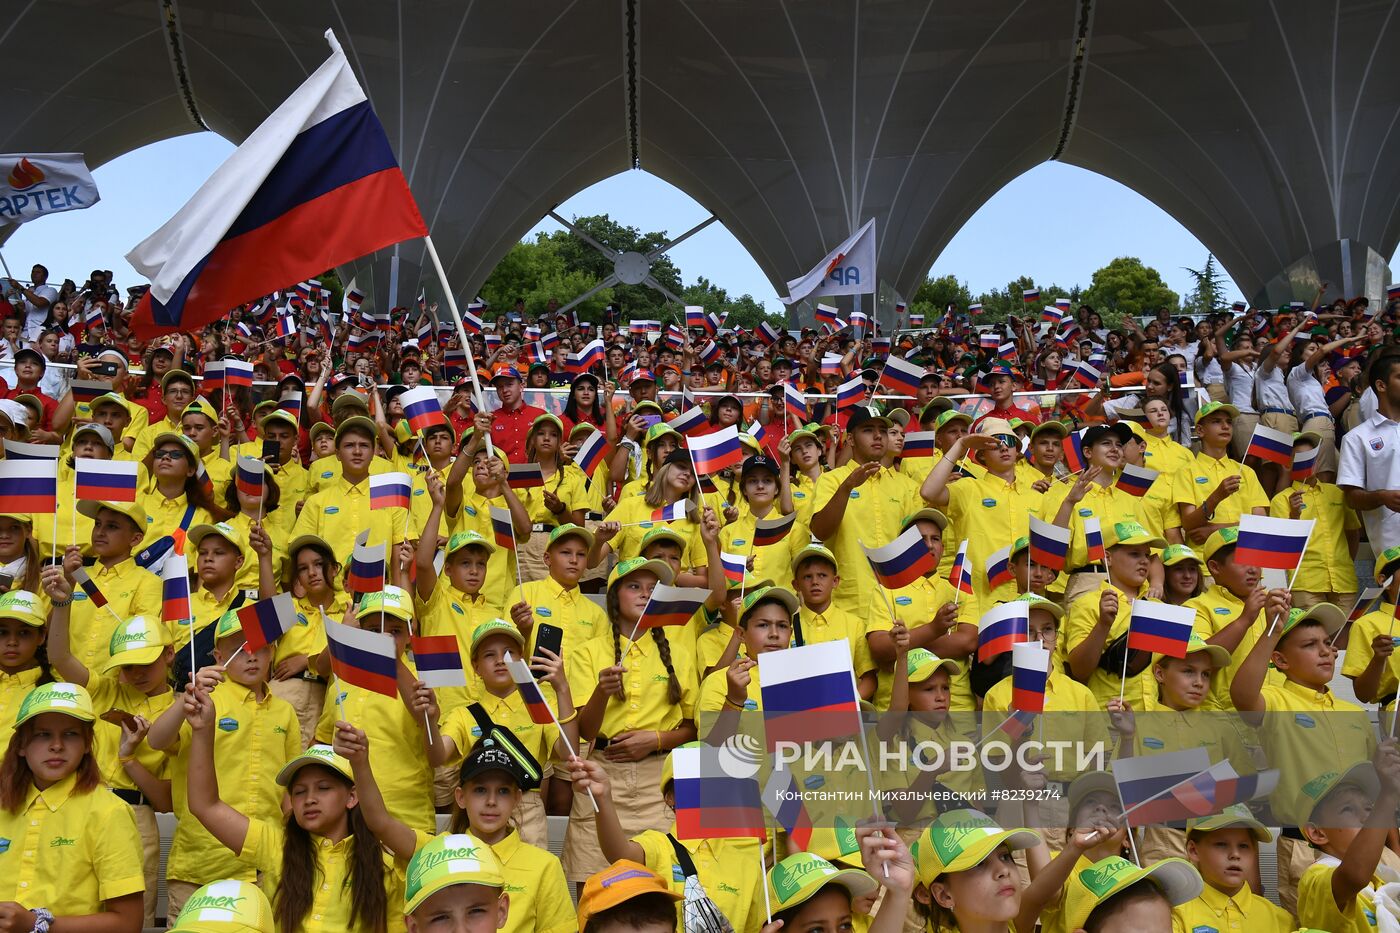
point(901, 377)
point(1304, 464)
point(535, 703)
point(422, 408)
point(999, 568)
point(19, 450)
point(390, 491)
point(960, 576)
point(714, 452)
point(367, 660)
point(175, 584)
point(1136, 480)
point(315, 186)
point(249, 474)
point(1049, 544)
point(711, 803)
point(735, 565)
point(267, 620)
point(795, 403)
point(690, 422)
point(1093, 541)
point(849, 393)
point(1001, 627)
point(902, 561)
point(1151, 777)
point(671, 605)
point(809, 693)
point(29, 486)
point(590, 453)
point(104, 480)
point(524, 476)
point(1073, 446)
point(919, 444)
point(438, 661)
point(1160, 628)
point(367, 569)
point(768, 531)
point(1030, 671)
point(783, 798)
point(1276, 543)
point(1272, 446)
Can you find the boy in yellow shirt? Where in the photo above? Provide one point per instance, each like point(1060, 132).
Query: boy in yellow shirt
point(1212, 490)
point(819, 619)
point(1371, 643)
point(1352, 813)
point(1225, 850)
point(557, 599)
point(1328, 572)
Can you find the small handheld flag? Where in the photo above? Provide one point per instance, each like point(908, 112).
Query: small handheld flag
point(248, 476)
point(999, 568)
point(503, 527)
point(237, 373)
point(902, 561)
point(1366, 602)
point(710, 802)
point(768, 531)
point(1001, 627)
point(1093, 541)
point(175, 586)
point(783, 799)
point(674, 512)
point(960, 577)
point(714, 452)
point(670, 605)
point(29, 486)
point(1160, 628)
point(1276, 543)
point(422, 409)
point(1049, 544)
point(366, 567)
point(1136, 480)
point(367, 660)
point(390, 491)
point(808, 693)
point(735, 566)
point(1271, 446)
point(267, 620)
point(1073, 445)
point(1150, 777)
point(525, 476)
point(19, 450)
point(89, 587)
point(795, 403)
point(535, 703)
point(1030, 671)
point(850, 393)
point(438, 660)
point(104, 480)
point(919, 444)
point(1030, 295)
point(901, 377)
point(690, 422)
point(1305, 464)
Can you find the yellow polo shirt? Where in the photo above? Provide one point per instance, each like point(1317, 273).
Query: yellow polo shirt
point(991, 514)
point(129, 591)
point(873, 516)
point(917, 604)
point(109, 693)
point(340, 511)
point(1157, 509)
point(835, 624)
point(1160, 729)
point(645, 704)
point(1317, 908)
point(291, 479)
point(569, 485)
point(253, 739)
point(278, 526)
point(330, 902)
point(308, 636)
point(207, 609)
point(396, 749)
point(1083, 615)
point(1082, 721)
point(460, 726)
point(1214, 911)
point(220, 474)
point(164, 516)
point(539, 894)
point(13, 689)
point(714, 690)
point(1108, 504)
point(1327, 565)
point(1165, 455)
point(1359, 652)
point(1199, 477)
point(771, 561)
point(323, 472)
point(728, 868)
point(1306, 733)
point(634, 512)
point(449, 611)
point(69, 852)
point(420, 503)
point(567, 608)
point(501, 565)
point(804, 495)
point(1216, 608)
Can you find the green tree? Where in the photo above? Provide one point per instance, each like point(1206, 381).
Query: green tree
point(1128, 287)
point(743, 311)
point(1001, 303)
point(639, 301)
point(1209, 293)
point(934, 296)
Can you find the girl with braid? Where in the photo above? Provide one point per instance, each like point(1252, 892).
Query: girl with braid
point(641, 704)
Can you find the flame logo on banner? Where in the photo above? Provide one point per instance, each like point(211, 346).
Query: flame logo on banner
point(24, 175)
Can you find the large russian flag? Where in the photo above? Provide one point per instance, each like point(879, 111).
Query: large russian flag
point(315, 186)
point(1277, 543)
point(711, 803)
point(104, 480)
point(809, 693)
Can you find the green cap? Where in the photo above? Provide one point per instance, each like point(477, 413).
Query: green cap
point(1019, 545)
point(570, 531)
point(798, 877)
point(1219, 538)
point(814, 550)
point(447, 860)
point(1387, 562)
point(662, 533)
point(1176, 553)
point(468, 539)
point(1235, 816)
point(391, 601)
point(228, 626)
point(1215, 408)
point(1218, 654)
point(770, 594)
point(1089, 887)
point(495, 627)
point(220, 529)
point(1040, 602)
point(922, 663)
point(635, 564)
point(321, 755)
point(65, 698)
point(22, 605)
point(226, 907)
point(1361, 775)
point(1130, 533)
point(138, 640)
point(1331, 618)
point(658, 431)
point(962, 839)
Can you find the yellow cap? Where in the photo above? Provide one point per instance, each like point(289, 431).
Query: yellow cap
point(391, 601)
point(922, 663)
point(322, 755)
point(65, 698)
point(962, 839)
point(1089, 887)
point(633, 565)
point(801, 875)
point(492, 628)
point(23, 606)
point(132, 510)
point(220, 529)
point(138, 640)
point(925, 515)
point(226, 907)
point(1230, 534)
point(447, 860)
point(1235, 816)
point(355, 422)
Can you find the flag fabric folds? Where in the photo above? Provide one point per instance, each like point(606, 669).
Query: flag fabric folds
point(768, 531)
point(422, 408)
point(1001, 627)
point(1305, 464)
point(809, 693)
point(671, 605)
point(674, 512)
point(735, 566)
point(1276, 543)
point(901, 377)
point(1073, 445)
point(29, 486)
point(366, 566)
point(1160, 628)
point(711, 803)
point(438, 661)
point(714, 452)
point(1030, 671)
point(525, 476)
point(175, 585)
point(367, 660)
point(902, 561)
point(1093, 541)
point(1136, 480)
point(503, 527)
point(919, 444)
point(795, 403)
point(104, 480)
point(276, 210)
point(390, 491)
point(1144, 777)
point(1049, 544)
point(249, 474)
point(591, 452)
point(999, 568)
point(1271, 445)
point(89, 587)
point(267, 620)
point(849, 393)
point(960, 576)
point(535, 703)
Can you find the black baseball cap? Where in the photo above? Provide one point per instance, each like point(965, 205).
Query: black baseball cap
point(488, 756)
point(758, 462)
point(1099, 431)
point(31, 352)
point(860, 414)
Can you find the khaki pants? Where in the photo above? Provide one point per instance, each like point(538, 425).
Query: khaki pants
point(1158, 842)
point(1081, 583)
point(1305, 599)
point(1216, 391)
point(636, 791)
point(176, 893)
point(601, 571)
point(530, 554)
point(1244, 430)
point(307, 698)
point(1294, 857)
point(150, 857)
point(1279, 422)
point(1326, 428)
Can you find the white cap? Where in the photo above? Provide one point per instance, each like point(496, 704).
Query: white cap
point(17, 413)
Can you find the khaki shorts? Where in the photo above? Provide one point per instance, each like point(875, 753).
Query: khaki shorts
point(530, 554)
point(636, 792)
point(1244, 430)
point(150, 856)
point(1216, 391)
point(1081, 583)
point(1279, 422)
point(176, 893)
point(1326, 428)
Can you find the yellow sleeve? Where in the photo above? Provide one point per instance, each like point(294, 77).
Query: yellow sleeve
point(1359, 653)
point(1278, 505)
point(1251, 493)
point(554, 908)
point(117, 855)
point(146, 596)
point(1317, 908)
point(262, 847)
point(1079, 622)
point(713, 692)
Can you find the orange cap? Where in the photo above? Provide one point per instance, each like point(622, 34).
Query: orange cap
point(620, 881)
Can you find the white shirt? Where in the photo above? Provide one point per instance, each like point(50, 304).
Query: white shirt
point(1371, 460)
point(1239, 386)
point(1273, 391)
point(1306, 393)
point(34, 316)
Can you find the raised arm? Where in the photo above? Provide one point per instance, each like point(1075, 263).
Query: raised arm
point(60, 591)
point(353, 745)
point(223, 822)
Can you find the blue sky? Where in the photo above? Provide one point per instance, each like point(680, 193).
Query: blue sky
point(142, 189)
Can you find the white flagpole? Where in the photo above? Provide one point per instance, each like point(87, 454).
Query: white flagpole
point(461, 332)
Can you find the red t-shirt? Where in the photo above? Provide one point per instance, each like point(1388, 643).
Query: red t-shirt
point(509, 429)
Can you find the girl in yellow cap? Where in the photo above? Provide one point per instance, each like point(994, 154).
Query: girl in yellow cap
point(68, 848)
point(172, 496)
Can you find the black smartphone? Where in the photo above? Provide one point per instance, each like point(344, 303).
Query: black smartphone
point(6, 581)
point(549, 638)
point(105, 368)
point(271, 450)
